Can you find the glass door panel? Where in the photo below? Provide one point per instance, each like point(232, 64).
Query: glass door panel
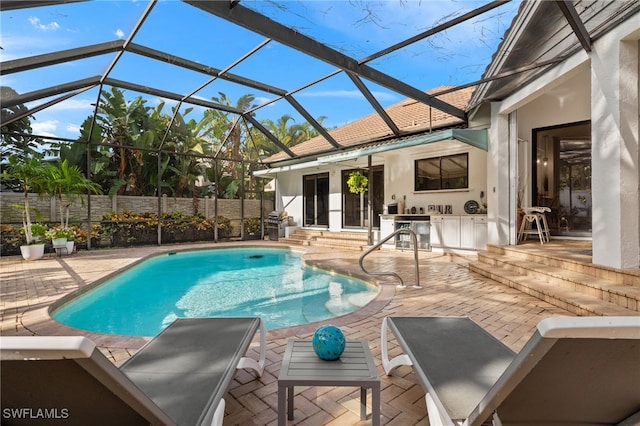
point(316, 200)
point(355, 211)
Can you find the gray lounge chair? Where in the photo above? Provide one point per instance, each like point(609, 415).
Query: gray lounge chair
point(178, 378)
point(572, 371)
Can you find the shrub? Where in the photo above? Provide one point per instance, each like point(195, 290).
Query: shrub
point(129, 228)
point(11, 238)
point(252, 225)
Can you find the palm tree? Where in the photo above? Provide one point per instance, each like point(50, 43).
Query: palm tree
point(67, 181)
point(289, 135)
point(223, 120)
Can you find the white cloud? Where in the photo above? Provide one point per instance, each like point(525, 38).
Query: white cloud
point(35, 21)
point(119, 33)
point(45, 128)
point(18, 46)
point(73, 128)
point(260, 100)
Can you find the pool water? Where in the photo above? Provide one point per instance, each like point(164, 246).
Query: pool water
point(271, 283)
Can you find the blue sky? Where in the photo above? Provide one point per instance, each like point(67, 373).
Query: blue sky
point(357, 28)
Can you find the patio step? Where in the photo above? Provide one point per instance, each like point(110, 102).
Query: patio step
point(572, 284)
point(328, 239)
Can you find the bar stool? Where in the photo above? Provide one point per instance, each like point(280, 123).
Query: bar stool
point(535, 215)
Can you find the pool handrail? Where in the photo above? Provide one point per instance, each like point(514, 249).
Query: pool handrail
point(414, 244)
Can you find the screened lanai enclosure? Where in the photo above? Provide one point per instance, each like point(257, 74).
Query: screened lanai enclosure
point(167, 108)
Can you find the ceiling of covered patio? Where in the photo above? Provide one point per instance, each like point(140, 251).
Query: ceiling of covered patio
point(293, 57)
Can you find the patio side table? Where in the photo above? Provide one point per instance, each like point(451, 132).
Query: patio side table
point(302, 367)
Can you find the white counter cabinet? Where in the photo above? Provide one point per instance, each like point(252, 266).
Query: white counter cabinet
point(387, 226)
point(459, 232)
point(473, 232)
point(440, 231)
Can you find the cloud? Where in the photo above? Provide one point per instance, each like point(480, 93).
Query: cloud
point(35, 21)
point(73, 128)
point(261, 100)
point(45, 128)
point(119, 33)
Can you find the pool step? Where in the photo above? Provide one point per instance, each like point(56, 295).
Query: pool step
point(347, 240)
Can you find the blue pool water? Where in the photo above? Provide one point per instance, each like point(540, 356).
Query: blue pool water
point(271, 283)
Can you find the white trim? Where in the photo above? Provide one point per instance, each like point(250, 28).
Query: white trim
point(590, 327)
point(45, 347)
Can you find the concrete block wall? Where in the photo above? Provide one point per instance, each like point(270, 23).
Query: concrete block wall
point(102, 204)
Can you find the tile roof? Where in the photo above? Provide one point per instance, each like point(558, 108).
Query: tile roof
point(409, 115)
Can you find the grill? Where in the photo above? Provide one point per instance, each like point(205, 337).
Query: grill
point(275, 223)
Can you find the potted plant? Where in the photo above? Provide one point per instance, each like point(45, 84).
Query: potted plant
point(27, 175)
point(357, 182)
point(59, 236)
point(66, 184)
point(38, 232)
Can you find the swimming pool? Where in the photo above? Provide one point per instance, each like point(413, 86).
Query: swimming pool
point(272, 283)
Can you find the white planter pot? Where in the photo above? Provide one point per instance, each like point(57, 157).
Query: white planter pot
point(58, 242)
point(70, 245)
point(32, 252)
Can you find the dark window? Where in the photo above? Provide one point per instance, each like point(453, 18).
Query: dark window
point(446, 172)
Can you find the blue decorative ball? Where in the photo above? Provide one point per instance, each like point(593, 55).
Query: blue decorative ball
point(328, 342)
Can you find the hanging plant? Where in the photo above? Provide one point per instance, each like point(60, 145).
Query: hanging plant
point(357, 182)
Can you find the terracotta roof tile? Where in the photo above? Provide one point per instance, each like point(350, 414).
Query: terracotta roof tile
point(409, 115)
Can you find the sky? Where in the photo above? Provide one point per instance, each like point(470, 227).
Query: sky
point(357, 28)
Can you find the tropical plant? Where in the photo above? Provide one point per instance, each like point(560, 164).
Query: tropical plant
point(357, 182)
point(16, 136)
point(29, 175)
point(38, 231)
point(59, 232)
point(131, 131)
point(66, 184)
point(253, 225)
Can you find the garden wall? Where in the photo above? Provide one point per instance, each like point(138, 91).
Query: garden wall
point(48, 209)
point(128, 220)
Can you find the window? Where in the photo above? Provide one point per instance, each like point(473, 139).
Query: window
point(446, 172)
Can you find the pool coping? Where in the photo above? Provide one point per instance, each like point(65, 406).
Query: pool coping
point(38, 321)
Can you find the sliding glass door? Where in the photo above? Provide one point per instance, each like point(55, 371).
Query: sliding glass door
point(316, 200)
point(562, 177)
point(355, 211)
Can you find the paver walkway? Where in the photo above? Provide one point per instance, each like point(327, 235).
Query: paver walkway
point(28, 289)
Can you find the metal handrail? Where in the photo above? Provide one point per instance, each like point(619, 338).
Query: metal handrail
point(414, 241)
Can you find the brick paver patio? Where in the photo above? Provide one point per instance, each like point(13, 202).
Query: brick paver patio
point(28, 289)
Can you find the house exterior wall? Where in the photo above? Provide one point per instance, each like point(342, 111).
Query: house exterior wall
point(399, 171)
point(398, 181)
point(616, 151)
point(289, 195)
point(601, 86)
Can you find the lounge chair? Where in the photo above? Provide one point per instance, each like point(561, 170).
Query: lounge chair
point(572, 371)
point(178, 378)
